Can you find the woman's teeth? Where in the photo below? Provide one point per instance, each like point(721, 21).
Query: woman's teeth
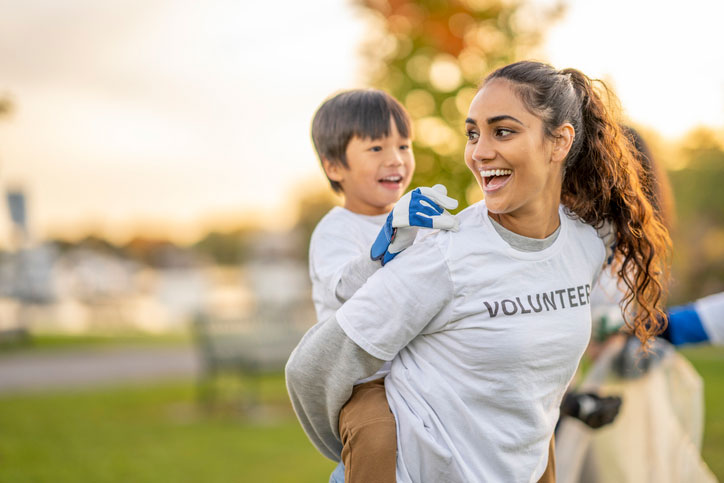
point(495, 172)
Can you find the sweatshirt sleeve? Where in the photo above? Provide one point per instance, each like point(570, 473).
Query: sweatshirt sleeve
point(353, 275)
point(320, 374)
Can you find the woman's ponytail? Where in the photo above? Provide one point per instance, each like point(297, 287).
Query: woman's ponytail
point(604, 185)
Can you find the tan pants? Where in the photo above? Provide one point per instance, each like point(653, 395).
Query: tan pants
point(369, 438)
point(549, 475)
point(369, 435)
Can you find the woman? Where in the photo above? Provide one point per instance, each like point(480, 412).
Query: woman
point(485, 327)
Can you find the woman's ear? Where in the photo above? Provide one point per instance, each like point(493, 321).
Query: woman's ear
point(562, 141)
point(334, 171)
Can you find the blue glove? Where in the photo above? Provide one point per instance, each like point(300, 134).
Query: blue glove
point(684, 326)
point(421, 207)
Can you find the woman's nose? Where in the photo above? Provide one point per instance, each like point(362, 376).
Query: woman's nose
point(483, 150)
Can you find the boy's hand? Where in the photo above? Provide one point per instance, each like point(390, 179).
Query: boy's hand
point(421, 207)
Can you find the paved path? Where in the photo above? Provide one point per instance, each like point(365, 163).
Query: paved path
point(51, 369)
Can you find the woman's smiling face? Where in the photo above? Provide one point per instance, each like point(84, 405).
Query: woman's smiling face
point(509, 154)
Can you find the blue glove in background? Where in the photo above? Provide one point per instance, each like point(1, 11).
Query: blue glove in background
point(421, 207)
point(684, 326)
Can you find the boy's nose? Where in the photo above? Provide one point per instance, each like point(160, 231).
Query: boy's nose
point(395, 159)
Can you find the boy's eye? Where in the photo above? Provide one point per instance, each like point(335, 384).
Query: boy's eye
point(404, 146)
point(376, 149)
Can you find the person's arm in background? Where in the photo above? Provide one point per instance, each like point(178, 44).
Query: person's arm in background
point(697, 323)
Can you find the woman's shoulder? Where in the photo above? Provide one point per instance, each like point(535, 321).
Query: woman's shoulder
point(593, 240)
point(473, 214)
point(577, 225)
point(471, 233)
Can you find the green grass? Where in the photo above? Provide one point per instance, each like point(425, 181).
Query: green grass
point(159, 434)
point(41, 342)
point(709, 362)
point(153, 434)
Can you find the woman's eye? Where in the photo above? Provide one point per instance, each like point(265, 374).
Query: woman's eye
point(472, 135)
point(502, 132)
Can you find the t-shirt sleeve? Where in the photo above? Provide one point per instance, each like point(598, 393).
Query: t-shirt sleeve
point(329, 253)
point(399, 301)
point(711, 312)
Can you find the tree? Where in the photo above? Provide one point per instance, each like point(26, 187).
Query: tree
point(431, 55)
point(313, 204)
point(230, 248)
point(699, 236)
point(6, 107)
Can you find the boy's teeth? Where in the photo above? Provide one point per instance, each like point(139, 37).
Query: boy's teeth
point(392, 178)
point(495, 172)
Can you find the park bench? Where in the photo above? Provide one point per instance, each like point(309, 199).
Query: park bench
point(14, 336)
point(243, 348)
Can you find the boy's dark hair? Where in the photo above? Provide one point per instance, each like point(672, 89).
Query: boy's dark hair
point(364, 113)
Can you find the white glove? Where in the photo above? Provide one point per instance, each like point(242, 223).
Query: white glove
point(421, 207)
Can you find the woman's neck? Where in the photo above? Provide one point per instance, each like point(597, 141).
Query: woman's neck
point(536, 223)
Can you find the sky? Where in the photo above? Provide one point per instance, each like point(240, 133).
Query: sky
point(171, 117)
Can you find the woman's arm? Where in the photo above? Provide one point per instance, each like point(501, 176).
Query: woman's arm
point(320, 374)
point(381, 318)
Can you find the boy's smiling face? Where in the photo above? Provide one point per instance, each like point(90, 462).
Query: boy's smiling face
point(378, 173)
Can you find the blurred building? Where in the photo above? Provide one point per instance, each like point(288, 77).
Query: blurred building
point(88, 287)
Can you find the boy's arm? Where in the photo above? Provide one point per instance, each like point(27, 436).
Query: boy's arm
point(354, 275)
point(320, 374)
point(422, 207)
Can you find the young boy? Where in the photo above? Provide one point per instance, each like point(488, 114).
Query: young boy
point(363, 140)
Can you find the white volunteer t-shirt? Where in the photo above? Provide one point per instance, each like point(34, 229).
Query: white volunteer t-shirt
point(339, 237)
point(484, 341)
